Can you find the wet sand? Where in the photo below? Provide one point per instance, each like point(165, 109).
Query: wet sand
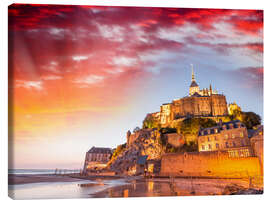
point(59, 187)
point(176, 187)
point(24, 179)
point(100, 187)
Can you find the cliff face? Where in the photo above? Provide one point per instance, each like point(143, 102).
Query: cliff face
point(147, 142)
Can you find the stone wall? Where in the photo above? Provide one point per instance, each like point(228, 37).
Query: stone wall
point(219, 105)
point(209, 164)
point(257, 145)
point(175, 139)
point(132, 137)
point(214, 105)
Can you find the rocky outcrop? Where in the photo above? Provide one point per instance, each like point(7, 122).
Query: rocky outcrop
point(147, 142)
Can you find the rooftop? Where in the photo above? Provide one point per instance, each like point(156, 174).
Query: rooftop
point(193, 84)
point(219, 127)
point(196, 94)
point(100, 150)
point(142, 159)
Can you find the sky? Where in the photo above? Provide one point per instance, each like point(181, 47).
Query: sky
point(82, 76)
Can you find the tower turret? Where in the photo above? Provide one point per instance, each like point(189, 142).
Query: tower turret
point(194, 87)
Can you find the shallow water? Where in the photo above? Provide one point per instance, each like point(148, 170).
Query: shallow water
point(60, 190)
point(122, 188)
point(166, 187)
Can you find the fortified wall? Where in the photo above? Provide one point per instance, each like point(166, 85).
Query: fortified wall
point(209, 164)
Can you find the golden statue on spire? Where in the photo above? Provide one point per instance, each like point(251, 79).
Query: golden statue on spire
point(193, 77)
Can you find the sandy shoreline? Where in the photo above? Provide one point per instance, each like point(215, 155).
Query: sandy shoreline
point(24, 179)
point(144, 187)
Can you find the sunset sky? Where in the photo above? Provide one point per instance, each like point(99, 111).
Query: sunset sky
point(82, 76)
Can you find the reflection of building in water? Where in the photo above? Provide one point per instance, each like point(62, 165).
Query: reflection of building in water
point(231, 137)
point(125, 193)
point(150, 186)
point(97, 158)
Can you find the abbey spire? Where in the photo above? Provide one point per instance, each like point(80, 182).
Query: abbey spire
point(194, 87)
point(193, 76)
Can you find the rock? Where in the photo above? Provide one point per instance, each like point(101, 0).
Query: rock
point(234, 189)
point(146, 143)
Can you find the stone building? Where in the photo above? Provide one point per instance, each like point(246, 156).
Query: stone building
point(233, 107)
point(230, 136)
point(97, 158)
point(256, 141)
point(200, 102)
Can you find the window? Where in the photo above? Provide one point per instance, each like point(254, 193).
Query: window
point(226, 144)
point(244, 153)
point(217, 146)
point(216, 138)
point(233, 136)
point(233, 153)
point(208, 138)
point(203, 147)
point(241, 134)
point(209, 146)
point(226, 136)
point(234, 145)
point(216, 130)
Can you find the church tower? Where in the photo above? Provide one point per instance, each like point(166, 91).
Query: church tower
point(194, 87)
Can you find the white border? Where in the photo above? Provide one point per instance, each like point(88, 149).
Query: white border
point(233, 4)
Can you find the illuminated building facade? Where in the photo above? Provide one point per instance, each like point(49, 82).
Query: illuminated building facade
point(230, 136)
point(200, 102)
point(97, 158)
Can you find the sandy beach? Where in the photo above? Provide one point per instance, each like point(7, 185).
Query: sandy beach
point(24, 179)
point(52, 186)
point(48, 186)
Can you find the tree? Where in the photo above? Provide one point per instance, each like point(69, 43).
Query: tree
point(119, 149)
point(250, 119)
point(190, 127)
point(150, 122)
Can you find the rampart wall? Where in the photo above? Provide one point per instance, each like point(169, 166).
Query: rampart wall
point(209, 164)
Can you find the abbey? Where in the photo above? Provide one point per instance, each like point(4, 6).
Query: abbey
point(199, 102)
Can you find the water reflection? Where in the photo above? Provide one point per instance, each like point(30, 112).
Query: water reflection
point(163, 187)
point(56, 190)
point(150, 186)
point(120, 188)
point(139, 188)
point(125, 193)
